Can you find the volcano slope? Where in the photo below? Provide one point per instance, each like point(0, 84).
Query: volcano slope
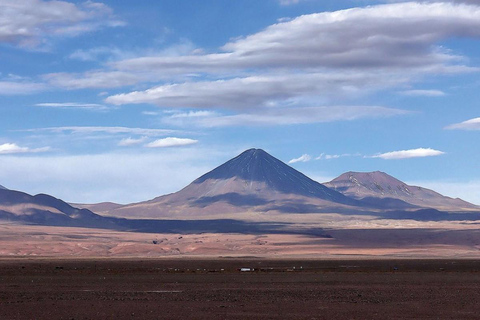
point(253, 205)
point(257, 186)
point(378, 188)
point(254, 181)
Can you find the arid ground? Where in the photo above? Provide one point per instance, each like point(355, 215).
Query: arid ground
point(352, 269)
point(343, 238)
point(217, 289)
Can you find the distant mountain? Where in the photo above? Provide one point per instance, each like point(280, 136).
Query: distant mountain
point(252, 181)
point(378, 188)
point(250, 187)
point(2, 187)
point(45, 210)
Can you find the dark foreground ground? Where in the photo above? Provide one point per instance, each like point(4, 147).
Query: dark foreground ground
point(217, 289)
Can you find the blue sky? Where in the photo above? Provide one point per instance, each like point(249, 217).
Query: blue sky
point(127, 100)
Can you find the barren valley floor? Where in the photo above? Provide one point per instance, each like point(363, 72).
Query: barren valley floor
point(217, 289)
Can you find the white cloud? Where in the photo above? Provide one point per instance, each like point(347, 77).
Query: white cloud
point(347, 52)
point(110, 130)
point(425, 93)
point(252, 92)
point(171, 142)
point(477, 2)
point(28, 23)
point(400, 35)
point(127, 142)
point(113, 53)
point(73, 105)
point(324, 156)
point(405, 154)
point(10, 148)
point(392, 35)
point(150, 113)
point(92, 79)
point(192, 114)
point(472, 124)
point(332, 156)
point(316, 59)
point(282, 116)
point(19, 88)
point(7, 148)
point(302, 158)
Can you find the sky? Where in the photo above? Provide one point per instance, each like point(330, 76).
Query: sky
point(127, 100)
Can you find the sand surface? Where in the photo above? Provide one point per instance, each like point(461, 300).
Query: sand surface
point(39, 241)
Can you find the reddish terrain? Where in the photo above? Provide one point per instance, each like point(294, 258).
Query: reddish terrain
point(216, 289)
point(422, 240)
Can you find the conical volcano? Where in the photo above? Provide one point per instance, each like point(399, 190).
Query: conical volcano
point(256, 171)
point(252, 181)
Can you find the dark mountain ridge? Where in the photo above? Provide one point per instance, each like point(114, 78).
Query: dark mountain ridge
point(45, 210)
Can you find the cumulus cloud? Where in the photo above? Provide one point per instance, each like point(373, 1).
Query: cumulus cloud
point(302, 158)
point(171, 142)
point(412, 153)
point(424, 93)
point(73, 105)
point(282, 116)
point(10, 148)
point(472, 124)
point(28, 23)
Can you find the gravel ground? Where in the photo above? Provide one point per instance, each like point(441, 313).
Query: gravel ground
point(217, 289)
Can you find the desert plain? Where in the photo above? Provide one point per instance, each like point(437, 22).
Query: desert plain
point(218, 289)
point(252, 239)
point(427, 270)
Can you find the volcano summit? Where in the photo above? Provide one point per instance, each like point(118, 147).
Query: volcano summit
point(252, 181)
point(255, 182)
